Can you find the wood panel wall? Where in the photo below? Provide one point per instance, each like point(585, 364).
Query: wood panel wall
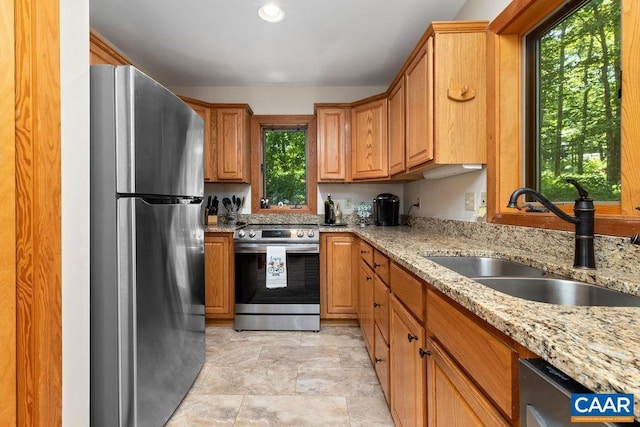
point(38, 213)
point(7, 218)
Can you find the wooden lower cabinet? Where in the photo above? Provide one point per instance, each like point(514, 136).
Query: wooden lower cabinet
point(381, 360)
point(219, 276)
point(365, 306)
point(408, 367)
point(338, 261)
point(453, 399)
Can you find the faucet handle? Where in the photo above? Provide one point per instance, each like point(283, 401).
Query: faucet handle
point(581, 191)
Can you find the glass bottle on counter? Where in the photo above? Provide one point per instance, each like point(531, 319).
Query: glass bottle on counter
point(329, 211)
point(338, 214)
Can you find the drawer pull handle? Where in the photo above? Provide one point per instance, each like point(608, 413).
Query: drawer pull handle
point(376, 265)
point(424, 353)
point(369, 278)
point(364, 252)
point(412, 337)
point(375, 305)
point(379, 360)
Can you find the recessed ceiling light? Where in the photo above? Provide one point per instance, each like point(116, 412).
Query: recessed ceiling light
point(271, 13)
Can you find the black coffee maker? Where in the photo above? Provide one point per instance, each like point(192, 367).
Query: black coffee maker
point(386, 209)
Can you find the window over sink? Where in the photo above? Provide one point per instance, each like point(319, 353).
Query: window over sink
point(506, 136)
point(573, 73)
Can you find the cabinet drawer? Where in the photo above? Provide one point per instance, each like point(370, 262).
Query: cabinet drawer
point(381, 307)
point(486, 359)
point(381, 266)
point(409, 290)
point(366, 252)
point(382, 362)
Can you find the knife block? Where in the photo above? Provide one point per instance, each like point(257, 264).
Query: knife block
point(211, 219)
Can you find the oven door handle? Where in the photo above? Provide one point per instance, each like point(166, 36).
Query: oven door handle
point(261, 248)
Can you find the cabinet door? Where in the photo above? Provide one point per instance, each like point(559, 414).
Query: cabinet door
point(454, 396)
point(408, 367)
point(208, 148)
point(232, 141)
point(419, 107)
point(339, 264)
point(382, 362)
point(332, 143)
point(369, 149)
point(381, 306)
point(460, 132)
point(365, 305)
point(396, 128)
point(218, 297)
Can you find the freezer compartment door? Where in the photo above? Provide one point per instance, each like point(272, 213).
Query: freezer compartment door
point(159, 138)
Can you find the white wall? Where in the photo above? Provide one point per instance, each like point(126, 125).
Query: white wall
point(444, 198)
point(74, 42)
point(481, 9)
point(279, 99)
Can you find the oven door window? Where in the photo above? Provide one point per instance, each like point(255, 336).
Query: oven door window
point(303, 281)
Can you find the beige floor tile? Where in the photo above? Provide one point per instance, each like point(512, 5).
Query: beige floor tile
point(347, 336)
point(299, 357)
point(203, 410)
point(273, 378)
point(354, 357)
point(236, 354)
point(256, 381)
point(369, 412)
point(293, 411)
point(338, 382)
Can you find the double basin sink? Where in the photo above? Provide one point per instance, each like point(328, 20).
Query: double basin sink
point(533, 284)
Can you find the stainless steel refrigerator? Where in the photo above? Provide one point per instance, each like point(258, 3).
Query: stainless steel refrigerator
point(147, 248)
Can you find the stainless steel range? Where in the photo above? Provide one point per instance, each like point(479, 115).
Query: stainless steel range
point(277, 277)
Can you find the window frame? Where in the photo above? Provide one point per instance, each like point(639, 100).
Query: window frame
point(505, 172)
point(258, 122)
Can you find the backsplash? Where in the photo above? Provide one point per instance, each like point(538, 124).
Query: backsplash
point(612, 253)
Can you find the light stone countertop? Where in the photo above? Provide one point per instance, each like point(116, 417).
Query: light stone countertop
point(597, 346)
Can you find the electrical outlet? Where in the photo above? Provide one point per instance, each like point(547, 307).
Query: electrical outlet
point(469, 201)
point(483, 200)
point(418, 202)
point(348, 204)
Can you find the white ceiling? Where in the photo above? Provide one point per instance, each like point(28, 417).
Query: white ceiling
point(224, 43)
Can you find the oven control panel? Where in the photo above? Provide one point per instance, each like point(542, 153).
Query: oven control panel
point(294, 234)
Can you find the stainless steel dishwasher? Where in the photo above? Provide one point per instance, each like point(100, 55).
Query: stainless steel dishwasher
point(545, 396)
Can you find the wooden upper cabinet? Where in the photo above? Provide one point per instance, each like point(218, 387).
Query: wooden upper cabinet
point(396, 112)
point(203, 110)
point(233, 142)
point(333, 143)
point(419, 107)
point(101, 52)
point(369, 149)
point(459, 88)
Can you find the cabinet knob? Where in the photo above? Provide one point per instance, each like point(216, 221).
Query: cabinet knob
point(424, 353)
point(375, 304)
point(379, 360)
point(412, 337)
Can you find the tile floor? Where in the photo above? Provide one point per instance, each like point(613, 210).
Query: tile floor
point(263, 378)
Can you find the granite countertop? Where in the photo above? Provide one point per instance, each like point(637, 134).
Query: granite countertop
point(597, 346)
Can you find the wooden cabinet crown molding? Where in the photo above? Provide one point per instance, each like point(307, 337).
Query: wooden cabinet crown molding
point(102, 52)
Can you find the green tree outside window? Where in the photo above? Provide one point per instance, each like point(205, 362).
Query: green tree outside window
point(285, 166)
